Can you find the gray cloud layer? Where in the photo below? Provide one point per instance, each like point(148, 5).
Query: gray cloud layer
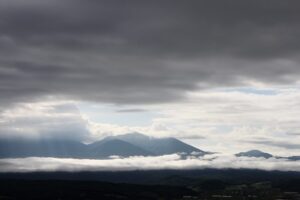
point(143, 51)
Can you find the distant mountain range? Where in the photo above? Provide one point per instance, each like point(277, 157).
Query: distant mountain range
point(261, 154)
point(156, 146)
point(133, 144)
point(254, 153)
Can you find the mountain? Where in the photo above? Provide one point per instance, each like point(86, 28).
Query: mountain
point(104, 149)
point(254, 153)
point(133, 144)
point(294, 158)
point(158, 146)
point(261, 154)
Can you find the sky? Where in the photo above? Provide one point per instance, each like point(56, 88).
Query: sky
point(220, 75)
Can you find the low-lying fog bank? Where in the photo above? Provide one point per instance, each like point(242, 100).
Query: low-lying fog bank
point(173, 161)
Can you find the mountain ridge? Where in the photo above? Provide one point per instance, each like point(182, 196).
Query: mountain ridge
point(254, 153)
point(126, 145)
point(158, 146)
point(116, 147)
point(132, 144)
point(260, 154)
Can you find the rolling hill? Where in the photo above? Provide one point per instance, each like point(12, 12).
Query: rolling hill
point(254, 153)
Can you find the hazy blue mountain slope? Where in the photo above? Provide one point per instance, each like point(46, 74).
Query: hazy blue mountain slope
point(133, 144)
point(254, 153)
point(115, 147)
point(158, 146)
point(294, 158)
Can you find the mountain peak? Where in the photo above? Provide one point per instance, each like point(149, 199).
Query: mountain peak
point(254, 153)
point(116, 147)
point(158, 146)
point(134, 134)
point(131, 144)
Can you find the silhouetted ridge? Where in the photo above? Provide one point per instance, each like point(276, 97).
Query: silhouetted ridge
point(132, 144)
point(294, 158)
point(254, 153)
point(158, 146)
point(116, 147)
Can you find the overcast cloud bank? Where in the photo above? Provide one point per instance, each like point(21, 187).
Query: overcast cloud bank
point(143, 52)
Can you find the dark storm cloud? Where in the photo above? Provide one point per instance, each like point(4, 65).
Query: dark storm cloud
point(143, 51)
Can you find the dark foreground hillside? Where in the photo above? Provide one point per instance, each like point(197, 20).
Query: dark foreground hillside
point(161, 184)
point(20, 189)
